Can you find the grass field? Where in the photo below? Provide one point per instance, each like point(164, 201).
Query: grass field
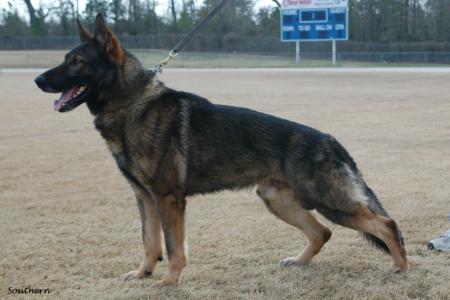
point(45, 59)
point(69, 221)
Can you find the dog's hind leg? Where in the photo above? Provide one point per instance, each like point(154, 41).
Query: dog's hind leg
point(151, 236)
point(280, 200)
point(381, 228)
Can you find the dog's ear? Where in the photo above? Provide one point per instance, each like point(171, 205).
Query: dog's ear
point(85, 35)
point(108, 40)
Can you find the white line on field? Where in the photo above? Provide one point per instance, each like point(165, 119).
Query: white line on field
point(317, 70)
point(443, 70)
point(21, 70)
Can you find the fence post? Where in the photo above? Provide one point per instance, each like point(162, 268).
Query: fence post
point(334, 52)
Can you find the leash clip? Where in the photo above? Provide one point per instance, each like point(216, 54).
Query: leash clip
point(159, 67)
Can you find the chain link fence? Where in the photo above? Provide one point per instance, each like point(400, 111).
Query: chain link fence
point(231, 44)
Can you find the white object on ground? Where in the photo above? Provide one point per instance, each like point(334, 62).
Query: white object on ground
point(442, 243)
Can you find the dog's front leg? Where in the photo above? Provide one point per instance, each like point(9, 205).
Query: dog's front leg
point(151, 235)
point(172, 211)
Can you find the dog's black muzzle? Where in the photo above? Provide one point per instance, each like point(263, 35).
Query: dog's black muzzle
point(53, 80)
point(42, 82)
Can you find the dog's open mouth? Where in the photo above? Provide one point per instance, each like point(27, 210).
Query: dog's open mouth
point(70, 98)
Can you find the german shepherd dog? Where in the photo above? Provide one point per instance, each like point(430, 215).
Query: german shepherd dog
point(170, 145)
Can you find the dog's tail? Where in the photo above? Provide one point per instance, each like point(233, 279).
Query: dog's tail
point(374, 204)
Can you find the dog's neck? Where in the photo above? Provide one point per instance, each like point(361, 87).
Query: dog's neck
point(130, 82)
point(133, 86)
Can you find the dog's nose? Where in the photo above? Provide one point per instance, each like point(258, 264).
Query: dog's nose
point(40, 81)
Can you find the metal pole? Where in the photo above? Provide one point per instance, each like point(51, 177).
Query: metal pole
point(297, 52)
point(334, 52)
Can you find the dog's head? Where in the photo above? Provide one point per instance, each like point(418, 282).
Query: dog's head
point(87, 69)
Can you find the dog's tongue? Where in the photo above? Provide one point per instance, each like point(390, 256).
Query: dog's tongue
point(65, 97)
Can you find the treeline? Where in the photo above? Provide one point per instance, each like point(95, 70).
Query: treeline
point(376, 21)
point(400, 20)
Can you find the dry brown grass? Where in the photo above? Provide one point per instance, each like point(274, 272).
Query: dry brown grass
point(69, 221)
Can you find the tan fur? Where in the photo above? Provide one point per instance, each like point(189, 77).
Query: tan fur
point(383, 228)
point(280, 200)
point(172, 215)
point(181, 158)
point(115, 50)
point(106, 37)
point(152, 237)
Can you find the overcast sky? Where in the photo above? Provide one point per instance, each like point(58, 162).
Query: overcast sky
point(162, 7)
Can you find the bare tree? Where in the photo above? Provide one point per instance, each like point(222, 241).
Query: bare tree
point(31, 12)
point(174, 13)
point(37, 17)
point(277, 3)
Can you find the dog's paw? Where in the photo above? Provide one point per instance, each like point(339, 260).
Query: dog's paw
point(166, 282)
point(394, 269)
point(136, 275)
point(292, 262)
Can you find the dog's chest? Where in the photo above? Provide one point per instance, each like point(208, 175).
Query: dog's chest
point(112, 132)
point(115, 141)
point(135, 164)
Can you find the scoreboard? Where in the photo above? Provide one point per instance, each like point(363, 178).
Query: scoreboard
point(314, 20)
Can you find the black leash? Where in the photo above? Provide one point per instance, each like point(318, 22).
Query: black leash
point(174, 52)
